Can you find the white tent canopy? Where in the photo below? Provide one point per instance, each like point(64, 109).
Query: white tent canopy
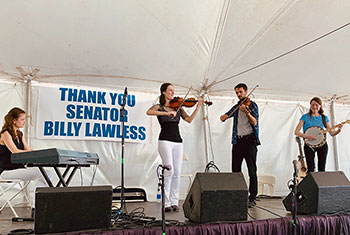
point(209, 45)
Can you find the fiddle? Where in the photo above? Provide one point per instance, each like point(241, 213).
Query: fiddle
point(245, 101)
point(189, 102)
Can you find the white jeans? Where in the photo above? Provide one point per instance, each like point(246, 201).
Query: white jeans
point(30, 173)
point(171, 154)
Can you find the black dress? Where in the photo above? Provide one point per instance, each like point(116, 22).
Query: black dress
point(5, 155)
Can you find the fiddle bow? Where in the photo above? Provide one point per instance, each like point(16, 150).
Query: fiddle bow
point(177, 110)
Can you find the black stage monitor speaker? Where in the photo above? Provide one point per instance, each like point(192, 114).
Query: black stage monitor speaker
point(321, 193)
point(72, 208)
point(217, 197)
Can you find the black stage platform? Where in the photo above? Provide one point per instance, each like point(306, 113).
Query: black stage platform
point(268, 217)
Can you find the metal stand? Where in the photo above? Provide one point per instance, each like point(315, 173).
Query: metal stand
point(161, 184)
point(123, 210)
point(294, 198)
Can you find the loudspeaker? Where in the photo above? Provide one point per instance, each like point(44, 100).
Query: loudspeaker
point(67, 209)
point(217, 197)
point(321, 192)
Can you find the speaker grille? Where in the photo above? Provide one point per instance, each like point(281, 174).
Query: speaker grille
point(321, 193)
point(217, 197)
point(72, 208)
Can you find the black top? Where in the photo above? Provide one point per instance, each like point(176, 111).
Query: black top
point(169, 126)
point(5, 155)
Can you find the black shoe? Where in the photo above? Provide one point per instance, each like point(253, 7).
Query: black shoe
point(168, 209)
point(33, 213)
point(175, 208)
point(251, 204)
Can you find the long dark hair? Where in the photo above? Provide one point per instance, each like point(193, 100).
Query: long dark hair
point(319, 101)
point(163, 88)
point(12, 115)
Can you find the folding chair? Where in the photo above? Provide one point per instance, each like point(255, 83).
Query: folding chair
point(10, 192)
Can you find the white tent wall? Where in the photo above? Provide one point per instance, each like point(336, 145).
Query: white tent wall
point(343, 113)
point(278, 119)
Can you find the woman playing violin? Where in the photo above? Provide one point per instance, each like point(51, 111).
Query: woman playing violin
point(170, 145)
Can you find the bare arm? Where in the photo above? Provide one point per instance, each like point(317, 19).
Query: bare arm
point(26, 146)
point(189, 119)
point(331, 131)
point(7, 139)
point(297, 131)
point(154, 111)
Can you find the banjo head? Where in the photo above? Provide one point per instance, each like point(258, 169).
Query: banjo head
point(318, 133)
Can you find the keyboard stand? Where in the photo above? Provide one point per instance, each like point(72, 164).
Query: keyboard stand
point(61, 177)
point(43, 172)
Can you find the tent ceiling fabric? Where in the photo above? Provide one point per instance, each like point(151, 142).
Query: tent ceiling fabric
point(139, 44)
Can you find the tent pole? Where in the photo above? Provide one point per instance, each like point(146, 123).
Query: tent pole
point(205, 120)
point(28, 82)
point(335, 149)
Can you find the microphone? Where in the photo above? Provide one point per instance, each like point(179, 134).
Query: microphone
point(295, 165)
point(125, 95)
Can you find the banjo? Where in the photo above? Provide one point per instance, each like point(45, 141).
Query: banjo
point(320, 135)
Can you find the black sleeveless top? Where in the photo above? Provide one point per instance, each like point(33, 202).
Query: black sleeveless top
point(169, 126)
point(5, 155)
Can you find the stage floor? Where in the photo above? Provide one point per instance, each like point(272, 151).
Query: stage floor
point(153, 209)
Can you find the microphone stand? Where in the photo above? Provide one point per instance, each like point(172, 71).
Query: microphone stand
point(294, 198)
point(161, 184)
point(123, 210)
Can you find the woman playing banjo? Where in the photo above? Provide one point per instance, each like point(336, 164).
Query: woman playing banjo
point(313, 124)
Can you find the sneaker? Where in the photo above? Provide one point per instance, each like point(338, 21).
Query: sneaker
point(175, 208)
point(168, 209)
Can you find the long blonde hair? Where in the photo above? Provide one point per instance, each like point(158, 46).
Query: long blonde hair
point(12, 115)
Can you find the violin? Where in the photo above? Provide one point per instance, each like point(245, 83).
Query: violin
point(246, 101)
point(189, 102)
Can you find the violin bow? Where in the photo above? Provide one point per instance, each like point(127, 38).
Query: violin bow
point(183, 100)
point(245, 98)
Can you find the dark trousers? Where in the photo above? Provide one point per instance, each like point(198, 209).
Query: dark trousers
point(246, 149)
point(321, 156)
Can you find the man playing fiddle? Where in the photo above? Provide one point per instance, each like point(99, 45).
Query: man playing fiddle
point(245, 137)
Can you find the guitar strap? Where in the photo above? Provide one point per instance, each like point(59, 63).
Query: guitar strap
point(324, 121)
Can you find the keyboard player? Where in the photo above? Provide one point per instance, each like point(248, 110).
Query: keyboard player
point(12, 141)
